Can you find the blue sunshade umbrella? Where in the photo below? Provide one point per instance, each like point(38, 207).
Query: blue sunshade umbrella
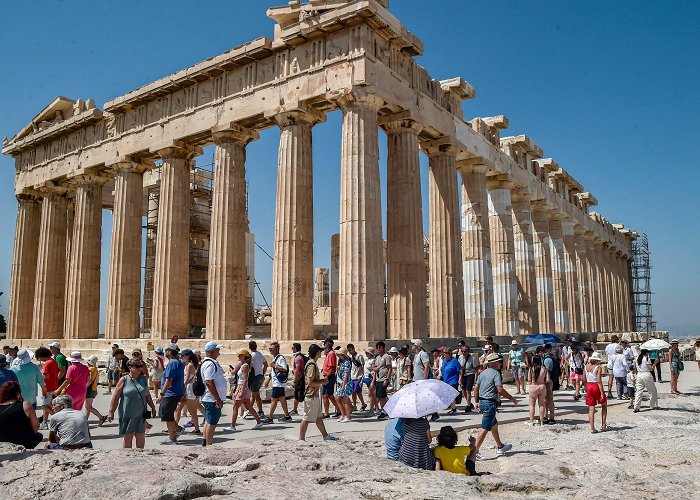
point(541, 339)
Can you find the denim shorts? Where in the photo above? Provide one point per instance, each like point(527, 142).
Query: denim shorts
point(488, 414)
point(277, 392)
point(329, 388)
point(212, 414)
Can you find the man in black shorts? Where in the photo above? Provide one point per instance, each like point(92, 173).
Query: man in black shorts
point(383, 373)
point(470, 368)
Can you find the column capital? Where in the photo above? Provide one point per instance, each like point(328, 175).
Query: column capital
point(176, 149)
point(358, 97)
point(499, 182)
point(475, 165)
point(28, 195)
point(400, 122)
point(50, 188)
point(519, 194)
point(233, 132)
point(439, 147)
point(128, 164)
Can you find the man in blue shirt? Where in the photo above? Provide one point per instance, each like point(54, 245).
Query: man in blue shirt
point(172, 390)
point(5, 374)
point(451, 372)
point(393, 437)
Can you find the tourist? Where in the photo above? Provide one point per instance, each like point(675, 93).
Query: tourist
point(610, 353)
point(132, 399)
point(259, 365)
point(452, 375)
point(49, 370)
point(486, 351)
point(29, 377)
point(8, 355)
point(438, 356)
point(61, 361)
point(452, 458)
point(121, 364)
point(157, 365)
point(494, 346)
point(368, 379)
point(242, 397)
point(394, 381)
point(415, 448)
point(191, 400)
point(344, 385)
point(172, 390)
point(280, 374)
point(564, 380)
point(421, 367)
point(697, 352)
point(76, 382)
point(5, 374)
point(550, 362)
point(576, 365)
point(489, 387)
point(538, 377)
point(214, 390)
point(620, 371)
point(312, 402)
point(469, 365)
point(393, 437)
point(676, 365)
point(174, 340)
point(631, 382)
point(518, 366)
point(356, 375)
point(645, 381)
point(18, 422)
point(68, 427)
point(382, 375)
point(112, 374)
point(137, 354)
point(299, 363)
point(91, 392)
point(330, 366)
point(655, 357)
point(628, 352)
point(595, 392)
point(403, 368)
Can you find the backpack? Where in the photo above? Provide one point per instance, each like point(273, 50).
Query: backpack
point(281, 376)
point(300, 388)
point(555, 373)
point(198, 386)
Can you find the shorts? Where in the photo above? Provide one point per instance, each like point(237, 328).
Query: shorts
point(312, 409)
point(380, 389)
point(518, 371)
point(168, 407)
point(212, 414)
point(90, 394)
point(42, 400)
point(468, 382)
point(367, 381)
point(113, 375)
point(357, 386)
point(488, 414)
point(458, 398)
point(189, 392)
point(594, 396)
point(576, 376)
point(329, 388)
point(257, 383)
point(278, 392)
point(242, 395)
point(549, 393)
point(538, 392)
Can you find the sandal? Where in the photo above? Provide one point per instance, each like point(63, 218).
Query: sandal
point(594, 431)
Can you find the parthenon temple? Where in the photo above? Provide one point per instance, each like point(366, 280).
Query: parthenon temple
point(513, 247)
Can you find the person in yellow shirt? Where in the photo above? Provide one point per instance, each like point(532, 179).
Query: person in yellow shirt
point(453, 458)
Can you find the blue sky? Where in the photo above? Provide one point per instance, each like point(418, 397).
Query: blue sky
point(609, 89)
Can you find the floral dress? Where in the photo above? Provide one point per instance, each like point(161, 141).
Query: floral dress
point(344, 367)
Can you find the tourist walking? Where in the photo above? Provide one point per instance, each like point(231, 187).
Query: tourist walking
point(576, 375)
point(368, 379)
point(631, 382)
point(172, 390)
point(132, 399)
point(49, 370)
point(29, 376)
point(280, 374)
point(610, 353)
point(68, 427)
point(214, 390)
point(469, 365)
point(5, 374)
point(191, 400)
point(552, 364)
point(415, 448)
point(620, 371)
point(655, 357)
point(330, 367)
point(344, 386)
point(595, 392)
point(452, 375)
point(157, 364)
point(112, 374)
point(18, 422)
point(538, 377)
point(259, 365)
point(676, 365)
point(518, 366)
point(356, 376)
point(60, 359)
point(242, 397)
point(76, 382)
point(403, 368)
point(91, 392)
point(394, 380)
point(382, 375)
point(697, 352)
point(312, 401)
point(299, 361)
point(489, 387)
point(645, 381)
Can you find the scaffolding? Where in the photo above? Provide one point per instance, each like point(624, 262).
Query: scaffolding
point(641, 285)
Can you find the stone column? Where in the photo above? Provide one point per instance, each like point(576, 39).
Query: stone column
point(293, 275)
point(227, 275)
point(49, 292)
point(171, 275)
point(124, 280)
point(543, 267)
point(446, 287)
point(321, 296)
point(150, 257)
point(70, 207)
point(406, 273)
point(602, 289)
point(360, 291)
point(335, 276)
point(619, 302)
point(593, 286)
point(476, 252)
point(525, 265)
point(629, 307)
point(583, 304)
point(561, 303)
point(24, 264)
point(572, 279)
point(505, 285)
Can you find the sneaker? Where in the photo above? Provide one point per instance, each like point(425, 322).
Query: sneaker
point(247, 415)
point(43, 426)
point(179, 430)
point(330, 437)
point(326, 416)
point(188, 424)
point(467, 409)
point(168, 442)
point(479, 456)
point(452, 412)
point(261, 413)
point(230, 429)
point(434, 417)
point(196, 431)
point(337, 415)
point(259, 426)
point(288, 418)
point(363, 407)
point(204, 442)
point(382, 416)
point(506, 448)
point(344, 420)
point(293, 413)
point(266, 420)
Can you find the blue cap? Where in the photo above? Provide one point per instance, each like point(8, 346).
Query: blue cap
point(211, 345)
point(328, 341)
point(159, 350)
point(186, 352)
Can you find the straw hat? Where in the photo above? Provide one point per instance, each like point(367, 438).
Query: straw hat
point(92, 360)
point(595, 357)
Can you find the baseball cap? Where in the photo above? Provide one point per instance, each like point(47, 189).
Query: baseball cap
point(186, 352)
point(173, 348)
point(328, 341)
point(243, 352)
point(55, 344)
point(394, 349)
point(211, 345)
point(513, 342)
point(417, 342)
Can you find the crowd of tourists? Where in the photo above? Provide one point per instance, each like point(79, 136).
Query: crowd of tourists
point(183, 383)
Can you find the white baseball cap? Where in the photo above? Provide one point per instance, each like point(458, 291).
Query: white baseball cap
point(55, 344)
point(417, 342)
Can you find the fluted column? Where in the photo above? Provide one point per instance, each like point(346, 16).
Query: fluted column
point(49, 292)
point(602, 289)
point(24, 264)
point(172, 263)
point(124, 279)
point(583, 303)
point(525, 265)
point(446, 287)
point(406, 273)
point(593, 280)
point(619, 301)
point(629, 309)
point(572, 279)
point(361, 284)
point(335, 276)
point(476, 253)
point(561, 302)
point(293, 276)
point(543, 267)
point(505, 285)
point(70, 208)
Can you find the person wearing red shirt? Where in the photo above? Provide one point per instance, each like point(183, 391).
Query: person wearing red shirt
point(330, 364)
point(49, 367)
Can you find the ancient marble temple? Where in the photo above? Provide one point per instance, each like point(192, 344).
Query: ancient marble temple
point(513, 246)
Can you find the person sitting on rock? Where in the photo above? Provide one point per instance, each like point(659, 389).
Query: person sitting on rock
point(453, 458)
point(68, 428)
point(18, 422)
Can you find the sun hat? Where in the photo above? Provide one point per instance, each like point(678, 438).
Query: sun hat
point(92, 360)
point(3, 360)
point(674, 341)
point(75, 357)
point(487, 347)
point(55, 344)
point(211, 345)
point(173, 348)
point(243, 352)
point(513, 342)
point(493, 357)
point(369, 350)
point(417, 342)
point(24, 356)
point(595, 357)
point(394, 349)
point(343, 352)
point(186, 352)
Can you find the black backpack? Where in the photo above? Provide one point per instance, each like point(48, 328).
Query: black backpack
point(556, 371)
point(300, 386)
point(199, 387)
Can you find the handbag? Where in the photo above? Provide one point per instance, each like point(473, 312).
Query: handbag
point(146, 413)
point(681, 366)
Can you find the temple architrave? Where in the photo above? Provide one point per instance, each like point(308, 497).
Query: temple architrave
point(513, 246)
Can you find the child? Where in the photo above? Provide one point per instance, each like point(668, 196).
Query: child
point(453, 458)
point(631, 380)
